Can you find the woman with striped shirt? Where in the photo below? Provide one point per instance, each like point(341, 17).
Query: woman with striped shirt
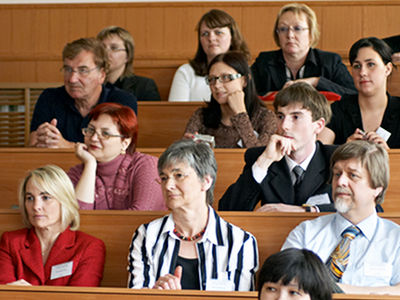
point(191, 248)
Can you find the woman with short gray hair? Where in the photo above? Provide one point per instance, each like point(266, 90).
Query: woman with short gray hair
point(191, 248)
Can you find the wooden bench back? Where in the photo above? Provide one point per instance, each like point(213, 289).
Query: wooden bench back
point(116, 228)
point(16, 162)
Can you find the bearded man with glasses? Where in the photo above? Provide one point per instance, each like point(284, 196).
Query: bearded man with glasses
point(61, 113)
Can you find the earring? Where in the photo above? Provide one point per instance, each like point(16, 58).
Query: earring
point(123, 151)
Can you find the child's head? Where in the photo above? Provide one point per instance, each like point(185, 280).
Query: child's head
point(296, 273)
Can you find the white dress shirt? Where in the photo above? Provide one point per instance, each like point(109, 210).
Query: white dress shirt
point(374, 254)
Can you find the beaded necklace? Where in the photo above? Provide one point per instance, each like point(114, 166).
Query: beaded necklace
point(189, 238)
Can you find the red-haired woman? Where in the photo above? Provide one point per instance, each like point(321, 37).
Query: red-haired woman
point(112, 174)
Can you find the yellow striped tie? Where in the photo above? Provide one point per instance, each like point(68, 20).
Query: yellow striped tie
point(339, 258)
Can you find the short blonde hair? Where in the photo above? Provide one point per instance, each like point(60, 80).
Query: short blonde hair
point(56, 182)
point(298, 9)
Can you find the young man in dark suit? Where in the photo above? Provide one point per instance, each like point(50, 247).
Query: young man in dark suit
point(272, 174)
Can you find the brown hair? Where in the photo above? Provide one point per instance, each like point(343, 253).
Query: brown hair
point(217, 18)
point(71, 50)
point(129, 45)
point(308, 96)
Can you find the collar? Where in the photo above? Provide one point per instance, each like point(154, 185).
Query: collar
point(367, 226)
point(311, 58)
point(304, 165)
point(212, 233)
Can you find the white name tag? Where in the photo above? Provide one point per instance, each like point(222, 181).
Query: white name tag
point(61, 270)
point(220, 285)
point(383, 133)
point(319, 199)
point(379, 270)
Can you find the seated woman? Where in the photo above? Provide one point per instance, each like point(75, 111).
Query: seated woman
point(51, 250)
point(235, 116)
point(191, 248)
point(372, 114)
point(217, 32)
point(112, 174)
point(294, 274)
point(296, 33)
point(120, 47)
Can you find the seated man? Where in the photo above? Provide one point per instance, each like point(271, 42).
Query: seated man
point(361, 250)
point(61, 113)
point(270, 172)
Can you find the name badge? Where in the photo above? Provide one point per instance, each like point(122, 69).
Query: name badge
point(61, 270)
point(222, 284)
point(318, 199)
point(381, 270)
point(383, 133)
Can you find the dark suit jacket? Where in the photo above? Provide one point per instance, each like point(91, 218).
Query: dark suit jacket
point(277, 186)
point(145, 89)
point(393, 42)
point(21, 258)
point(270, 74)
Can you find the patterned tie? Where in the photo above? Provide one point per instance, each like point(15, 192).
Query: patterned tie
point(339, 258)
point(299, 173)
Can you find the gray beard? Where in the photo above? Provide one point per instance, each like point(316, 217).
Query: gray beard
point(342, 206)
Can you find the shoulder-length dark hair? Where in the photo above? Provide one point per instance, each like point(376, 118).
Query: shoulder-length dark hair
point(238, 61)
point(217, 18)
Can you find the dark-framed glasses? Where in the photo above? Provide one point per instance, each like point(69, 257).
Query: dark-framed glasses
point(296, 29)
point(103, 134)
point(224, 78)
point(114, 48)
point(81, 71)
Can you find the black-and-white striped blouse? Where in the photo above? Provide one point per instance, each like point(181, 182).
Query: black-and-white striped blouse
point(228, 255)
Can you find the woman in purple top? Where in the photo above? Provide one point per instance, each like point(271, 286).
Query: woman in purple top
point(112, 174)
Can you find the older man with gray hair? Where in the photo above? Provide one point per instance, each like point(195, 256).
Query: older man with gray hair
point(361, 249)
point(61, 113)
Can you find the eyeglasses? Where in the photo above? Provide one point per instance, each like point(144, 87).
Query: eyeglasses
point(296, 29)
point(224, 78)
point(104, 135)
point(114, 48)
point(176, 176)
point(82, 71)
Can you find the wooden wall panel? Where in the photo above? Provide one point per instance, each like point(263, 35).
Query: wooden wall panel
point(33, 36)
point(340, 28)
point(376, 25)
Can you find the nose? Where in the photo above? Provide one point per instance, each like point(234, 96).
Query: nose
point(37, 204)
point(290, 32)
point(342, 180)
point(211, 36)
point(285, 123)
point(363, 71)
point(169, 184)
point(95, 136)
point(217, 83)
point(73, 77)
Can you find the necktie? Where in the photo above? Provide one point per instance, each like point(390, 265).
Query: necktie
point(339, 258)
point(299, 173)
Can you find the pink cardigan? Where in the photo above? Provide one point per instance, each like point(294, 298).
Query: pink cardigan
point(126, 182)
